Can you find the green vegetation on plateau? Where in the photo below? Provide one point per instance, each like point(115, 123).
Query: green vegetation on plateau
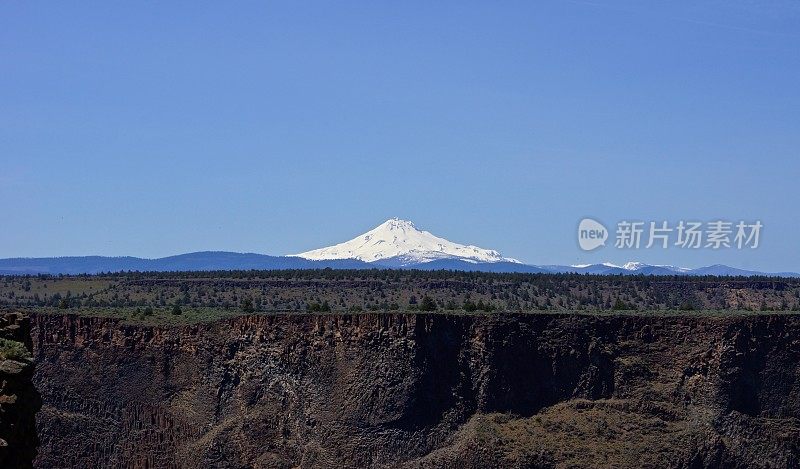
point(188, 297)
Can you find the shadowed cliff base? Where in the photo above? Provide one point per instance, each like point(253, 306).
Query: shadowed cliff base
point(19, 400)
point(420, 390)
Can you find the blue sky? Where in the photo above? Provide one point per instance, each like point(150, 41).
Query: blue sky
point(161, 128)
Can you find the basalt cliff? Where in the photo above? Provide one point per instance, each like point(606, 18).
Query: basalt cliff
point(420, 390)
point(19, 400)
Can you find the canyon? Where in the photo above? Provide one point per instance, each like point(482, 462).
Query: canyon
point(420, 390)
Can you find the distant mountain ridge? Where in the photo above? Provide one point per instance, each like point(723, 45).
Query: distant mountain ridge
point(221, 260)
point(394, 244)
point(195, 261)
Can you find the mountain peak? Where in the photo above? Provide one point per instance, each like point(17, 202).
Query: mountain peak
point(401, 241)
point(397, 224)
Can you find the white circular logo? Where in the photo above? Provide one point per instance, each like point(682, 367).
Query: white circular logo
point(591, 234)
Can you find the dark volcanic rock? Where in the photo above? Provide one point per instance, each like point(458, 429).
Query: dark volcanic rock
point(420, 390)
point(19, 401)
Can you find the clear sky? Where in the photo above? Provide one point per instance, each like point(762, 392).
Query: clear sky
point(156, 128)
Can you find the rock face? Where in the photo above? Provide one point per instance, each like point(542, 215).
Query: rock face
point(420, 390)
point(19, 401)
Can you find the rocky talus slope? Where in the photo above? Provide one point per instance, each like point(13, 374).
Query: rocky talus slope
point(19, 401)
point(420, 390)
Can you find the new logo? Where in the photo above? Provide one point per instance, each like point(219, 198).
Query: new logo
point(591, 234)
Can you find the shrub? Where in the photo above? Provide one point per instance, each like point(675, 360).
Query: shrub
point(428, 304)
point(620, 305)
point(324, 307)
point(13, 350)
point(247, 306)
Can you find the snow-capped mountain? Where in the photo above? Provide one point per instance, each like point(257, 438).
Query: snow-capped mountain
point(633, 266)
point(398, 242)
point(641, 267)
point(629, 268)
